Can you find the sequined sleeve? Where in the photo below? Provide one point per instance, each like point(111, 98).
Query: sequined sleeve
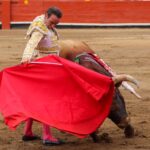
point(31, 45)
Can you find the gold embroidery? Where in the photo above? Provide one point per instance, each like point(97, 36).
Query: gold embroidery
point(38, 24)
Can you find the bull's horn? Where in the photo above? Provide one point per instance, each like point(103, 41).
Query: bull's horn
point(124, 77)
point(137, 95)
point(131, 89)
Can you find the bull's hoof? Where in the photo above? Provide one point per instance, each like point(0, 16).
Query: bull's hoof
point(103, 137)
point(129, 132)
point(95, 137)
point(106, 138)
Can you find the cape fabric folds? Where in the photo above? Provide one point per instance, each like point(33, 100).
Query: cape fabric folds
point(57, 92)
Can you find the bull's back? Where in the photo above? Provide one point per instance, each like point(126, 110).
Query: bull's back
point(69, 49)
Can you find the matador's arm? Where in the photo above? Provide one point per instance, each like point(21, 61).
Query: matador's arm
point(31, 45)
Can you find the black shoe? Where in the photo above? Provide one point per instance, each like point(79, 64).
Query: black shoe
point(30, 138)
point(53, 143)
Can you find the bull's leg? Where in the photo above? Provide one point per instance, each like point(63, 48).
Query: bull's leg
point(103, 137)
point(95, 137)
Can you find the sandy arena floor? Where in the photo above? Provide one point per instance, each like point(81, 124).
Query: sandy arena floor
point(126, 51)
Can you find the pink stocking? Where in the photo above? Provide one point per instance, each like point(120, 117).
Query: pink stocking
point(28, 127)
point(47, 135)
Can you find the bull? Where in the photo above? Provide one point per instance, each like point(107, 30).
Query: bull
point(85, 56)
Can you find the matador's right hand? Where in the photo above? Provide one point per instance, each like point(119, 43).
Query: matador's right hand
point(25, 61)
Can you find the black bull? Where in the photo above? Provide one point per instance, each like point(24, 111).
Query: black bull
point(118, 113)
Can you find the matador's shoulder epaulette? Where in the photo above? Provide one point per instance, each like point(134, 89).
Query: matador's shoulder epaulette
point(38, 24)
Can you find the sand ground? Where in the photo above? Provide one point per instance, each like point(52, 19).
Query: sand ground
point(126, 51)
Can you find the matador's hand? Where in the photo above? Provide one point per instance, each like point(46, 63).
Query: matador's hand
point(25, 61)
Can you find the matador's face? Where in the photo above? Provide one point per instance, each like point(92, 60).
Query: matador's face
point(51, 21)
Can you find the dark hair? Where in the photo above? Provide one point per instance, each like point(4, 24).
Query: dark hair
point(54, 10)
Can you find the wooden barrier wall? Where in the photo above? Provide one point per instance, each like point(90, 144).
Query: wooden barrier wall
point(77, 11)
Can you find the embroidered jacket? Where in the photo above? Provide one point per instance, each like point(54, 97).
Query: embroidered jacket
point(42, 41)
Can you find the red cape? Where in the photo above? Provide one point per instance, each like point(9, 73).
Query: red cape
point(58, 92)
